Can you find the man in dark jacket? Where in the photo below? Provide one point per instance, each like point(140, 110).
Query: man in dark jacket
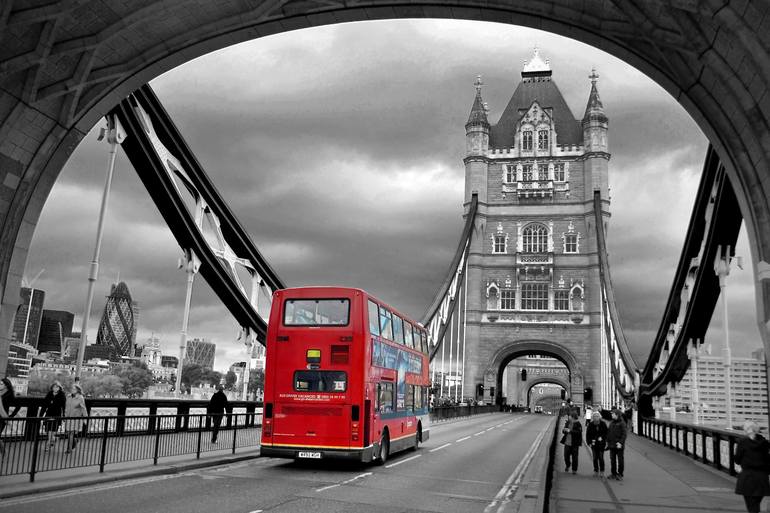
point(616, 442)
point(572, 440)
point(753, 455)
point(216, 409)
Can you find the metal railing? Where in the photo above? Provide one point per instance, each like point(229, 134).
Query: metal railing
point(440, 413)
point(114, 439)
point(715, 447)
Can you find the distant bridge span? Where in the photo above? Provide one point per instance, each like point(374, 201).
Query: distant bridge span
point(63, 65)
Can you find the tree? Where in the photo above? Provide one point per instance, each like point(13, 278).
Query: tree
point(102, 385)
point(136, 378)
point(256, 381)
point(230, 379)
point(40, 382)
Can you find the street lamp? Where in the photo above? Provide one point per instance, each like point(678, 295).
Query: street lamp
point(722, 263)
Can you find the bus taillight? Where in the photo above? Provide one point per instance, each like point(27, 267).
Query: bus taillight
point(354, 417)
point(267, 427)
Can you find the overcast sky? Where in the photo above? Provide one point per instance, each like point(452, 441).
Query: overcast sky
point(340, 150)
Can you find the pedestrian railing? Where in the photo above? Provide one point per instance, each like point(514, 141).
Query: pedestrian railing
point(715, 447)
point(114, 439)
point(440, 413)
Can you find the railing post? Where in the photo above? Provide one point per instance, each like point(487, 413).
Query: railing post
point(703, 447)
point(235, 431)
point(157, 444)
point(33, 466)
point(120, 422)
point(716, 446)
point(103, 456)
point(731, 455)
point(200, 433)
point(153, 413)
point(685, 448)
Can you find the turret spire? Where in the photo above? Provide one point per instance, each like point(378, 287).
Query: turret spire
point(479, 110)
point(594, 109)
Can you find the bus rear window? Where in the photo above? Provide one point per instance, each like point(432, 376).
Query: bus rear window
point(316, 312)
point(320, 381)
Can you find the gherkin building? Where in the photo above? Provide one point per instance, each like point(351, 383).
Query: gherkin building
point(119, 323)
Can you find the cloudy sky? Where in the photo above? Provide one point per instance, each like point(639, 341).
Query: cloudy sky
point(340, 150)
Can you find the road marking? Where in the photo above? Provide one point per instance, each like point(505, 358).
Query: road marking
point(511, 484)
point(256, 511)
point(479, 433)
point(344, 482)
point(440, 447)
point(462, 439)
point(403, 461)
point(490, 429)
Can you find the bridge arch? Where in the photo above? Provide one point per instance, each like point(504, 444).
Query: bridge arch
point(525, 399)
point(60, 71)
point(493, 376)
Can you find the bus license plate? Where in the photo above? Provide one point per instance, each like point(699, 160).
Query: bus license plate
point(309, 454)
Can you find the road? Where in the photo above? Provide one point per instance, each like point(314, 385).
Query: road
point(467, 466)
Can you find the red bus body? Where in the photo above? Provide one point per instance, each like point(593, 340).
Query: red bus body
point(336, 389)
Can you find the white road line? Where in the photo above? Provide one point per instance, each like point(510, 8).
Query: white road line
point(440, 447)
point(256, 511)
point(479, 433)
point(403, 461)
point(511, 484)
point(490, 429)
point(462, 439)
point(344, 482)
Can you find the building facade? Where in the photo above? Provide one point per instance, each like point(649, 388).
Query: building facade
point(200, 351)
point(533, 270)
point(55, 328)
point(29, 315)
point(120, 320)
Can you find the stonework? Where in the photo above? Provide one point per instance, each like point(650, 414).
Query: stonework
point(533, 278)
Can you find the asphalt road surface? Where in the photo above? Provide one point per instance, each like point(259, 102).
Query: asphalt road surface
point(469, 465)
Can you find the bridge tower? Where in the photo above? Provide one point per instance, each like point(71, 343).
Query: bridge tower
point(533, 269)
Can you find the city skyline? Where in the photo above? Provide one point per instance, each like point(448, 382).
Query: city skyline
point(383, 136)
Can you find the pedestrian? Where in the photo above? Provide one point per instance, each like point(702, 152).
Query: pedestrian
point(616, 443)
point(75, 411)
point(216, 409)
point(7, 398)
point(753, 455)
point(596, 439)
point(53, 409)
point(572, 439)
point(588, 415)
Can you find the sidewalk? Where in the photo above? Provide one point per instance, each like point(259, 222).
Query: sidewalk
point(18, 485)
point(657, 480)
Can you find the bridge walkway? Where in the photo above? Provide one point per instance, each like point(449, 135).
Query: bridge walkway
point(657, 480)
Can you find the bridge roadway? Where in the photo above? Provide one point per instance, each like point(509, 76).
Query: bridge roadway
point(468, 465)
point(464, 466)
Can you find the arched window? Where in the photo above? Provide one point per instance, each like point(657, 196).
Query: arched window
point(535, 239)
point(576, 298)
point(526, 140)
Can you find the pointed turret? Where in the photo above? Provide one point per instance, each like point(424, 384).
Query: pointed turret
point(476, 146)
point(595, 124)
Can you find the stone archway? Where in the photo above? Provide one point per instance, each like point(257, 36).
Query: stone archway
point(493, 376)
point(539, 381)
point(64, 64)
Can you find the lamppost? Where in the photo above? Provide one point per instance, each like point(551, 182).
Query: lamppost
point(722, 263)
point(190, 263)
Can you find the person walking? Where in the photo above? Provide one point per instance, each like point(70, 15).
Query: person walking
point(53, 409)
point(75, 411)
point(753, 455)
point(7, 398)
point(589, 415)
point(216, 409)
point(572, 439)
point(596, 439)
point(616, 442)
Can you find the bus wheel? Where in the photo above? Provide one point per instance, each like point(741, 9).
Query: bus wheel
point(384, 449)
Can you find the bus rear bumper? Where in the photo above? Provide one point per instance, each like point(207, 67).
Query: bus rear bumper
point(364, 455)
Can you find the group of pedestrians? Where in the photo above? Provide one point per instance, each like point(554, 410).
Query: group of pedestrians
point(70, 409)
point(600, 437)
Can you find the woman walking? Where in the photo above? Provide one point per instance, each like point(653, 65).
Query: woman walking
point(753, 455)
point(596, 438)
point(616, 442)
point(53, 409)
point(572, 440)
point(73, 410)
point(7, 397)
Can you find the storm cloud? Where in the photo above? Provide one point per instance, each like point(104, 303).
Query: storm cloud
point(340, 150)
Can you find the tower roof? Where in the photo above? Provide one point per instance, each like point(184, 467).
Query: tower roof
point(536, 65)
point(478, 113)
point(120, 290)
point(594, 108)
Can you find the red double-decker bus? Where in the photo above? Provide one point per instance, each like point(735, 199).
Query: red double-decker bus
point(346, 377)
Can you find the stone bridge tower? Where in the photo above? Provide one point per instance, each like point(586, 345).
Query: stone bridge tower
point(533, 270)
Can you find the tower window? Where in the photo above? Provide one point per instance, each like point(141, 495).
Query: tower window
point(542, 139)
point(558, 172)
point(534, 296)
point(571, 243)
point(526, 140)
point(507, 299)
point(526, 173)
point(542, 171)
point(499, 245)
point(510, 173)
point(535, 239)
point(561, 299)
